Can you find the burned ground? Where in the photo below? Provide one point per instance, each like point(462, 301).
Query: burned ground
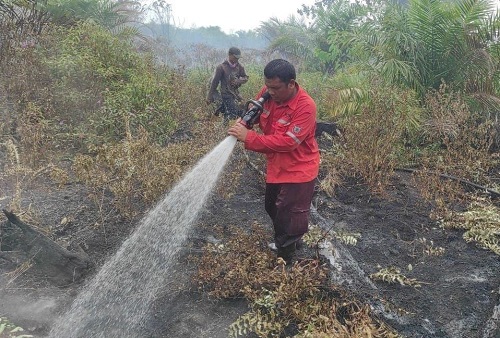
point(457, 295)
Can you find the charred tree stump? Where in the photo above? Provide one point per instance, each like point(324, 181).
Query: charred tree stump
point(19, 242)
point(326, 127)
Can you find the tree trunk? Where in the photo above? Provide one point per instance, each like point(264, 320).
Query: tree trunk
point(19, 242)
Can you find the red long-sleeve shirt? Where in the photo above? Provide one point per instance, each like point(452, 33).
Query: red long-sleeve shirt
point(288, 139)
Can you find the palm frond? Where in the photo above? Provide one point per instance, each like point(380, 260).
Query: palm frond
point(291, 46)
point(347, 102)
point(429, 23)
point(398, 71)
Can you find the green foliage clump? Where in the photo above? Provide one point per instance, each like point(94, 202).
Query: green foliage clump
point(321, 87)
point(481, 223)
point(343, 98)
point(141, 102)
point(10, 330)
point(70, 87)
point(129, 90)
point(88, 52)
point(255, 81)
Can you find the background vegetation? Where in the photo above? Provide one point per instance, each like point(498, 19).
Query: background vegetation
point(89, 93)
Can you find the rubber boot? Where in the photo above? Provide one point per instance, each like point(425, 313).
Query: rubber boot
point(287, 253)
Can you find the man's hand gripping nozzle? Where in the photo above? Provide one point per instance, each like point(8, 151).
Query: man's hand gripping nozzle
point(253, 112)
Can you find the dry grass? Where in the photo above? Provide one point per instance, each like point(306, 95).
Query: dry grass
point(393, 275)
point(137, 171)
point(278, 295)
point(372, 141)
point(458, 147)
point(331, 176)
point(19, 176)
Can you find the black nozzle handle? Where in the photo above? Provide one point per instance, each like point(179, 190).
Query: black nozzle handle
point(258, 103)
point(249, 118)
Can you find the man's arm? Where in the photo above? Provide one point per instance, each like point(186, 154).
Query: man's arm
point(243, 77)
point(289, 138)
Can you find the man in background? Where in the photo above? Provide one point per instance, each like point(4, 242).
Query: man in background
point(288, 125)
point(228, 76)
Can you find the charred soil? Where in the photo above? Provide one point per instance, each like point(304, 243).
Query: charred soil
point(455, 291)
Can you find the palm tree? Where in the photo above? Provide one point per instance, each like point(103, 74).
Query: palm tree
point(429, 42)
point(35, 15)
point(292, 38)
point(385, 46)
point(316, 36)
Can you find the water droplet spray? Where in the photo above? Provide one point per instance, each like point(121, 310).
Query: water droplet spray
point(117, 300)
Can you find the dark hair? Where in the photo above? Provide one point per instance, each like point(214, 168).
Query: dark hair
point(281, 69)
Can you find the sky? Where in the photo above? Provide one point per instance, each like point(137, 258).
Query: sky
point(231, 15)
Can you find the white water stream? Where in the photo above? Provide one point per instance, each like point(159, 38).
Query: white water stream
point(117, 300)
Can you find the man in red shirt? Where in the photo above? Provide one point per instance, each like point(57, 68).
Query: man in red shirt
point(288, 124)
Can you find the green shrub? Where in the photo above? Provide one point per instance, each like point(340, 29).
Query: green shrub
point(141, 102)
point(322, 90)
point(129, 90)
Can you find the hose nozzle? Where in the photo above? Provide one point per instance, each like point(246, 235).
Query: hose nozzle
point(250, 117)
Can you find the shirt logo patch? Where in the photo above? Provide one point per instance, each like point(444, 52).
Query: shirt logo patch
point(296, 129)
